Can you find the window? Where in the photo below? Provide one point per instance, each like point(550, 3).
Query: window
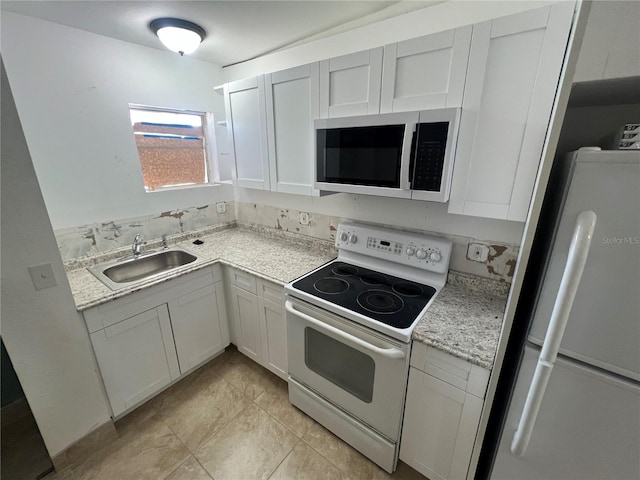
point(172, 147)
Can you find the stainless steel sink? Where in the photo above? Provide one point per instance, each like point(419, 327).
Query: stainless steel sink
point(122, 273)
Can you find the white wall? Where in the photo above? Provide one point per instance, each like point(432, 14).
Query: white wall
point(72, 89)
point(436, 18)
point(44, 334)
point(611, 44)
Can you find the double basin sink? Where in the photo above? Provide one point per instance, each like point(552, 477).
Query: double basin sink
point(131, 271)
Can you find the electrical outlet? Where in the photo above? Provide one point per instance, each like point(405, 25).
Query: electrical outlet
point(303, 218)
point(221, 207)
point(478, 252)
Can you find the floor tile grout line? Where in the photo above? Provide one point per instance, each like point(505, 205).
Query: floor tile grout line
point(285, 457)
point(180, 464)
point(220, 427)
point(326, 457)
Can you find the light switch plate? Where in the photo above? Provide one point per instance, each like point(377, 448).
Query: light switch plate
point(303, 217)
point(42, 276)
point(221, 207)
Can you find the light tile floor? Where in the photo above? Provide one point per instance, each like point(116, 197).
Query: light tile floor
point(231, 419)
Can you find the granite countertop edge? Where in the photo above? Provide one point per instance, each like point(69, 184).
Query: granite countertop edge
point(465, 319)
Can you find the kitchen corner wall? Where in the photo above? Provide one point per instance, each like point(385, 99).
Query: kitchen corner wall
point(278, 211)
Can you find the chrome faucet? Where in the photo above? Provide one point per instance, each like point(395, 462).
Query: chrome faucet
point(137, 245)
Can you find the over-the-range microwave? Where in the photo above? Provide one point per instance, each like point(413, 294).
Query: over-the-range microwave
point(405, 155)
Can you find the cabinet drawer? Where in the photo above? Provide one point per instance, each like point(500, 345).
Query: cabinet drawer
point(452, 370)
point(243, 280)
point(271, 291)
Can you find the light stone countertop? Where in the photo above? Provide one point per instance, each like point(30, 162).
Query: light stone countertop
point(464, 320)
point(279, 260)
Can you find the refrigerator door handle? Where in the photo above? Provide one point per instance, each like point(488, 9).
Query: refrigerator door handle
point(576, 260)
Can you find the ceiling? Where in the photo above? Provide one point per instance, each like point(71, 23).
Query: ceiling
point(236, 30)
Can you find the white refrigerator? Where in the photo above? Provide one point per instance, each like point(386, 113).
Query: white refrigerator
point(572, 408)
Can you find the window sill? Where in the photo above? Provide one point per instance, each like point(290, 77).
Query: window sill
point(184, 187)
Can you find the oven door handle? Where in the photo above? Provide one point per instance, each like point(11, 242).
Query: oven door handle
point(385, 352)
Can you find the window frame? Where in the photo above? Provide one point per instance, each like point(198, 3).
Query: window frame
point(209, 145)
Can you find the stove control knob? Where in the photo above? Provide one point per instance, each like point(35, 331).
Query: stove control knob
point(410, 251)
point(344, 236)
point(435, 257)
point(353, 238)
point(421, 254)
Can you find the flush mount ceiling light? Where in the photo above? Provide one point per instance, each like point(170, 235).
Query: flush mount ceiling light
point(178, 35)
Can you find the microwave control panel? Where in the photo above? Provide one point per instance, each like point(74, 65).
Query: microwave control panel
point(429, 156)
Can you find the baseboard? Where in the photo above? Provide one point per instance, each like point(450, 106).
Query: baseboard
point(80, 450)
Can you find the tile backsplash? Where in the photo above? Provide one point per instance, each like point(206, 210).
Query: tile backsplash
point(100, 237)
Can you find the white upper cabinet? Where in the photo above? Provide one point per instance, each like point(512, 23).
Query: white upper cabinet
point(247, 131)
point(513, 72)
point(425, 72)
point(292, 102)
point(350, 84)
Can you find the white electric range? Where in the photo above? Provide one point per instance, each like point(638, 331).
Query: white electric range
point(349, 326)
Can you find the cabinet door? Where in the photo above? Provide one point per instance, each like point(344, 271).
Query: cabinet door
point(425, 72)
point(350, 85)
point(247, 131)
point(197, 319)
point(137, 357)
point(439, 428)
point(513, 72)
point(292, 105)
point(273, 329)
point(247, 323)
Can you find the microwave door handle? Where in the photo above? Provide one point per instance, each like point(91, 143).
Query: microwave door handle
point(385, 352)
point(405, 160)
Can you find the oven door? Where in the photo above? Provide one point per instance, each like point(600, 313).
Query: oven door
point(356, 369)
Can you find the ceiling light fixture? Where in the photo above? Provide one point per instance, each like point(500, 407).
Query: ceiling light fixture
point(178, 35)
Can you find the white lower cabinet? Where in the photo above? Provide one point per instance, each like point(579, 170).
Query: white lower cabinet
point(197, 319)
point(273, 330)
point(146, 340)
point(136, 357)
point(442, 412)
point(247, 322)
point(258, 323)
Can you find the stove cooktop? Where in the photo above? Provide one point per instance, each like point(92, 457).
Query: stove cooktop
point(387, 299)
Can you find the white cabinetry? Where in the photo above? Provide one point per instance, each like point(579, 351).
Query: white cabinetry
point(247, 131)
point(146, 340)
point(197, 318)
point(292, 102)
point(350, 84)
point(136, 357)
point(442, 413)
point(425, 72)
point(258, 323)
point(273, 328)
point(513, 72)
